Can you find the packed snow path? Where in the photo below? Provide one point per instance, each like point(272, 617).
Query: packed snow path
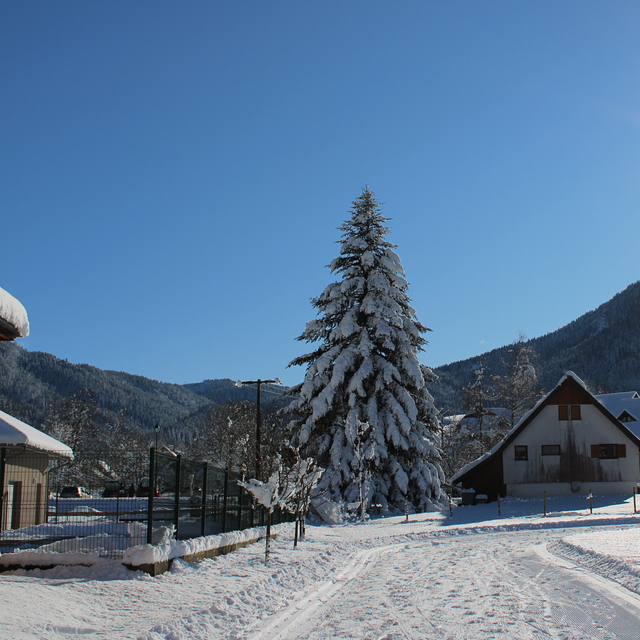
point(466, 577)
point(462, 587)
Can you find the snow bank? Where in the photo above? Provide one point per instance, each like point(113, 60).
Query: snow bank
point(38, 558)
point(14, 313)
point(150, 554)
point(72, 552)
point(612, 554)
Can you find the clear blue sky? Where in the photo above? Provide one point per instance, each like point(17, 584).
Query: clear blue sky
point(173, 174)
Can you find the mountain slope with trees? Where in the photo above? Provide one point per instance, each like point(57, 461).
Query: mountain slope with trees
point(602, 347)
point(31, 382)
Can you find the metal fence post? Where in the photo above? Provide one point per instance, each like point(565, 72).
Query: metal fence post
point(3, 459)
point(203, 513)
point(152, 483)
point(225, 495)
point(176, 506)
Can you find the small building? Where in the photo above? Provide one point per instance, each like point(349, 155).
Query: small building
point(26, 456)
point(569, 443)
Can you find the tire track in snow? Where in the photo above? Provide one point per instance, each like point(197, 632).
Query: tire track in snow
point(298, 613)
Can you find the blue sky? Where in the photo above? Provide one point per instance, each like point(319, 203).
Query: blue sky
point(173, 174)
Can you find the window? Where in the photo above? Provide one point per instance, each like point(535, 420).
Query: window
point(550, 449)
point(521, 452)
point(566, 410)
point(608, 451)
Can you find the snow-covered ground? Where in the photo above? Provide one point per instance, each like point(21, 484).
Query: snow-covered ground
point(570, 575)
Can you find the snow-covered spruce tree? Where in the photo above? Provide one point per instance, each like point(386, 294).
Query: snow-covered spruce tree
point(366, 369)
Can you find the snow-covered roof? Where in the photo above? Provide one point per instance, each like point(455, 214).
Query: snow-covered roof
point(15, 432)
point(12, 311)
point(618, 403)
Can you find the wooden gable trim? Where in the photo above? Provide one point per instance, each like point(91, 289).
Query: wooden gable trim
point(570, 394)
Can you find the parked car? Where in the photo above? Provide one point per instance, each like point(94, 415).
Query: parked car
point(74, 492)
point(143, 489)
point(114, 489)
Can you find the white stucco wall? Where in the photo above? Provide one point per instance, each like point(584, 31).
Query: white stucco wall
point(555, 474)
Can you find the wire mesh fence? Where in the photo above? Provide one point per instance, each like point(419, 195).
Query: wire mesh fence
point(179, 498)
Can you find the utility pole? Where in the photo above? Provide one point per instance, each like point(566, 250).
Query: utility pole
point(259, 384)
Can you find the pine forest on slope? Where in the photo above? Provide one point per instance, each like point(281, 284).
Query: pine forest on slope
point(602, 347)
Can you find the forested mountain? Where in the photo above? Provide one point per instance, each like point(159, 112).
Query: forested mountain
point(225, 390)
point(602, 347)
point(32, 382)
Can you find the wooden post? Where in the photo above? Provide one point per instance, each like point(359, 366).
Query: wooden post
point(499, 511)
point(545, 503)
point(590, 501)
point(634, 499)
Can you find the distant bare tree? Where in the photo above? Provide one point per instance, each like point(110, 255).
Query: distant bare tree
point(517, 388)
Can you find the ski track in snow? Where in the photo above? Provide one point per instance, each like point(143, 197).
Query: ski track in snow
point(501, 594)
point(384, 580)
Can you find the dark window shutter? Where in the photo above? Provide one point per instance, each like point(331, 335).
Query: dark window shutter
point(575, 412)
point(595, 450)
point(563, 412)
point(622, 451)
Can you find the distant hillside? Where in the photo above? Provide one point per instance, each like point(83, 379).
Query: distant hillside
point(225, 390)
point(32, 381)
point(602, 347)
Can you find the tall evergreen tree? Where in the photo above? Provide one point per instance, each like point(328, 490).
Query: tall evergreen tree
point(366, 370)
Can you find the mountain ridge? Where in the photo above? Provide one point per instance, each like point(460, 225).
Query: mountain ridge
point(601, 346)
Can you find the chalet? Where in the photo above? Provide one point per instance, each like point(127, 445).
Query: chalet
point(570, 442)
point(26, 453)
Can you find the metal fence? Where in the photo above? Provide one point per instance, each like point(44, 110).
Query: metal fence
point(179, 498)
point(198, 499)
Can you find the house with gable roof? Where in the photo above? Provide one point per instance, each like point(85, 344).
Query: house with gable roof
point(570, 442)
point(26, 454)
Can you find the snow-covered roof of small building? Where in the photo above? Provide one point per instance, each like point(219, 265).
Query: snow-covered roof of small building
point(618, 403)
point(15, 432)
point(13, 313)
